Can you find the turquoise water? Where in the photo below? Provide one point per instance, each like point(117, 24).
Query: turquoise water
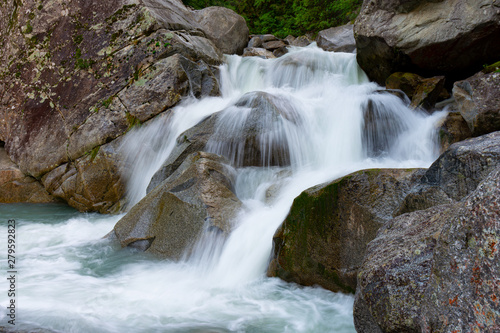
point(70, 279)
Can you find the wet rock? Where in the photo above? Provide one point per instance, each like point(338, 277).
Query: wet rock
point(456, 173)
point(435, 270)
point(423, 92)
point(425, 37)
point(478, 99)
point(323, 239)
point(15, 186)
point(224, 27)
point(197, 198)
point(250, 133)
point(337, 39)
point(281, 51)
point(453, 129)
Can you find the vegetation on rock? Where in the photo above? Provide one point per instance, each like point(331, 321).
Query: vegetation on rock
point(289, 17)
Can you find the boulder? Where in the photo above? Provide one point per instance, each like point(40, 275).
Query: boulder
point(456, 173)
point(250, 133)
point(75, 78)
point(15, 186)
point(453, 129)
point(337, 39)
point(273, 45)
point(323, 239)
point(426, 37)
point(255, 41)
point(258, 52)
point(224, 27)
point(423, 92)
point(478, 99)
point(197, 198)
point(435, 270)
point(93, 182)
point(301, 41)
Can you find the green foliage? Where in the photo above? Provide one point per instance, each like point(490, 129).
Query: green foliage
point(288, 17)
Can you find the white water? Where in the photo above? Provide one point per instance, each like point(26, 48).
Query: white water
point(73, 281)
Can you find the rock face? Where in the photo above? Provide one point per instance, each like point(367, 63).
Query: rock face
point(224, 27)
point(323, 239)
point(77, 77)
point(435, 270)
point(478, 99)
point(438, 37)
point(17, 187)
point(337, 39)
point(456, 173)
point(198, 197)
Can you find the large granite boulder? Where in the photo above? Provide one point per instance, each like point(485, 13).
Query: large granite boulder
point(252, 132)
point(429, 37)
point(435, 270)
point(224, 27)
point(478, 99)
point(15, 186)
point(74, 78)
point(337, 39)
point(323, 239)
point(197, 198)
point(456, 173)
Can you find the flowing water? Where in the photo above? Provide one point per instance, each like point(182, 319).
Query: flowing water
point(72, 280)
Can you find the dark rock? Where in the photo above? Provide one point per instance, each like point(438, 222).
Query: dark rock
point(197, 198)
point(435, 270)
point(224, 27)
point(280, 51)
point(422, 92)
point(257, 140)
point(337, 39)
point(425, 37)
point(456, 173)
point(322, 241)
point(478, 99)
point(453, 129)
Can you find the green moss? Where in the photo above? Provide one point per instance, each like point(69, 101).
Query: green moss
point(107, 102)
point(492, 68)
point(29, 28)
point(132, 121)
point(78, 39)
point(94, 152)
point(40, 7)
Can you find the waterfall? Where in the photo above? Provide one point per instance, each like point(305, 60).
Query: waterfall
point(328, 121)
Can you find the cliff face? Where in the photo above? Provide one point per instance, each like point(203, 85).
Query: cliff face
point(77, 75)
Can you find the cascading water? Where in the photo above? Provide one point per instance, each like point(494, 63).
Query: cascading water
point(329, 121)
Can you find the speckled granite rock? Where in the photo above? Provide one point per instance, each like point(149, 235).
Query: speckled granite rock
point(77, 75)
point(435, 270)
